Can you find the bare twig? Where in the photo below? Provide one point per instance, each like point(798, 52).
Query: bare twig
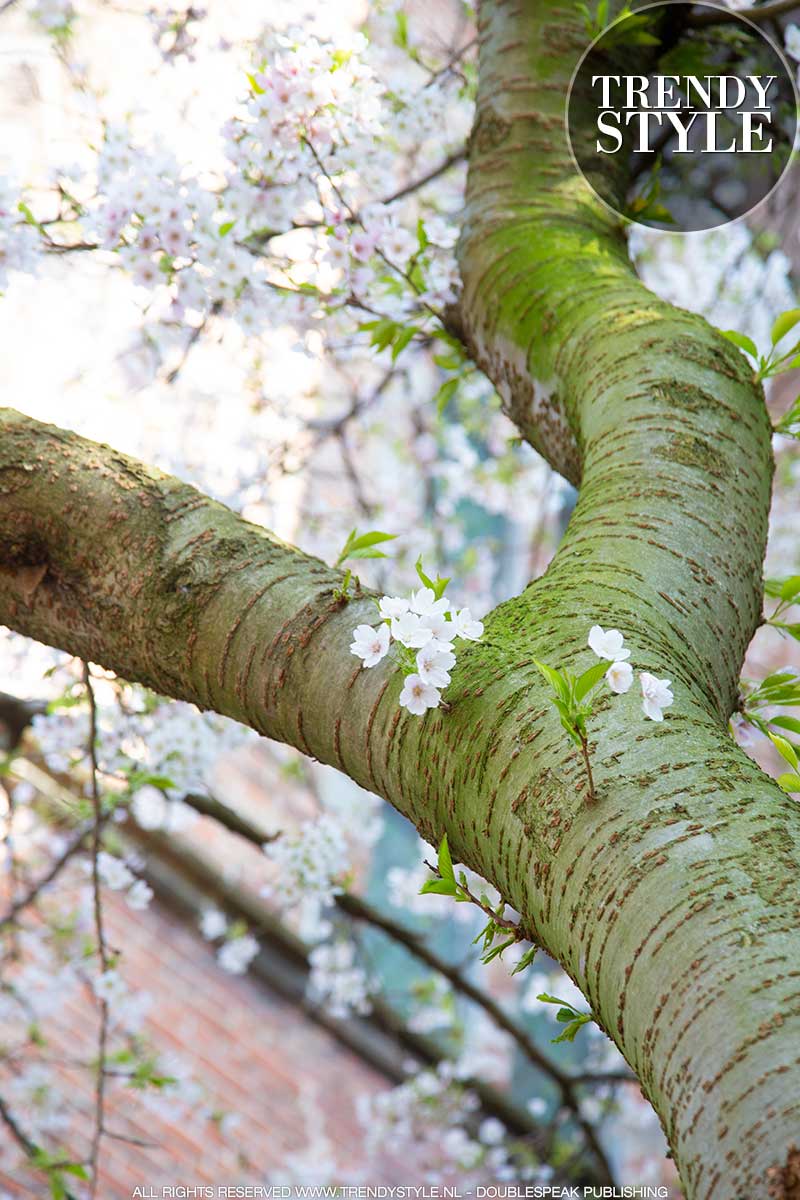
point(102, 949)
point(758, 13)
point(358, 909)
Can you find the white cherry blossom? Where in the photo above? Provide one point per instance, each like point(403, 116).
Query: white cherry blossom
point(424, 602)
point(418, 696)
point(411, 630)
point(370, 645)
point(113, 872)
point(657, 695)
point(620, 677)
point(465, 625)
point(236, 955)
point(213, 924)
point(392, 606)
point(434, 665)
point(139, 895)
point(608, 643)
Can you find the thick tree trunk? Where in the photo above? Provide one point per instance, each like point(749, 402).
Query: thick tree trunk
point(673, 899)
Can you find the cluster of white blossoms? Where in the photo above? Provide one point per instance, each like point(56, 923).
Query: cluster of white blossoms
point(424, 628)
point(656, 693)
point(337, 982)
point(239, 947)
point(312, 863)
point(117, 875)
point(18, 240)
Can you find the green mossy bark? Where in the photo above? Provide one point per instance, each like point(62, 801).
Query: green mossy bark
point(673, 899)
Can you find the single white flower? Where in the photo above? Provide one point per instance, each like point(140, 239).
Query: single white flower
point(411, 630)
point(491, 1131)
point(370, 645)
point(441, 629)
point(657, 694)
point(139, 895)
point(109, 986)
point(213, 924)
point(465, 625)
point(113, 871)
point(236, 955)
point(620, 677)
point(434, 664)
point(792, 36)
point(149, 807)
point(608, 643)
point(392, 606)
point(425, 603)
point(418, 696)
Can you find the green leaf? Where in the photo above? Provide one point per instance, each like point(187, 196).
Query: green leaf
point(790, 723)
point(445, 395)
point(76, 1169)
point(422, 576)
point(226, 227)
point(792, 416)
point(572, 1029)
point(793, 629)
point(57, 1189)
point(497, 951)
point(526, 960)
point(589, 679)
point(445, 862)
point(789, 783)
point(546, 998)
point(784, 324)
point(363, 545)
point(439, 887)
point(556, 680)
point(401, 340)
point(255, 85)
point(786, 750)
point(401, 30)
point(570, 729)
point(437, 585)
point(742, 341)
point(791, 587)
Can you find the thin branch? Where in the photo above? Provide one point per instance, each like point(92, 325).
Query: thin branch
point(444, 166)
point(102, 950)
point(448, 66)
point(763, 12)
point(357, 908)
point(11, 1124)
point(53, 871)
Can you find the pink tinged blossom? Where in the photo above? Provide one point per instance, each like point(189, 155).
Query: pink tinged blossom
point(362, 245)
point(620, 677)
point(656, 695)
point(370, 645)
point(418, 696)
point(434, 665)
point(608, 643)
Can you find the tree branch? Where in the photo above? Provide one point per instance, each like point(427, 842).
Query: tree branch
point(757, 14)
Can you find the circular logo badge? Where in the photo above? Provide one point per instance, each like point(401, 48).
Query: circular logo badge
point(682, 116)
